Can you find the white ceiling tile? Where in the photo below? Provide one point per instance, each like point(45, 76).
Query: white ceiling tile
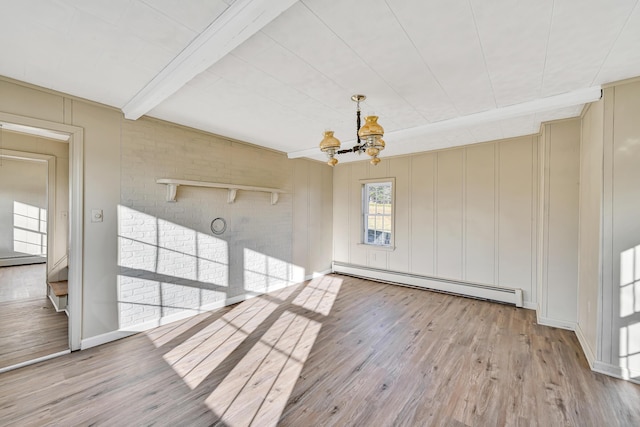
point(156, 28)
point(514, 48)
point(624, 59)
point(195, 15)
point(418, 62)
point(582, 34)
point(444, 33)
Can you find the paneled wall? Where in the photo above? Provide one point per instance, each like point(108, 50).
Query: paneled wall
point(590, 270)
point(468, 214)
point(558, 223)
point(621, 230)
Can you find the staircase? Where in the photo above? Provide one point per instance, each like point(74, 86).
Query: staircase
point(58, 289)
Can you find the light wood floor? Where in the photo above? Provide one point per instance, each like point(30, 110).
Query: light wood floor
point(29, 325)
point(22, 282)
point(337, 351)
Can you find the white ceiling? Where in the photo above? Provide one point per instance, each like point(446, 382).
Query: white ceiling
point(277, 73)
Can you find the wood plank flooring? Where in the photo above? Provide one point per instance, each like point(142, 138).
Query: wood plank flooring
point(22, 282)
point(337, 351)
point(29, 329)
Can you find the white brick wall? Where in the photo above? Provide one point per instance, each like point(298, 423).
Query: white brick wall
point(169, 260)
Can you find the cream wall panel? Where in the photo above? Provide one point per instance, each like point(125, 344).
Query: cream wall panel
point(29, 102)
point(479, 218)
point(589, 272)
point(357, 251)
point(312, 215)
point(323, 234)
point(400, 168)
point(560, 275)
point(422, 203)
point(101, 191)
point(516, 199)
point(301, 203)
point(625, 209)
point(342, 213)
point(449, 211)
point(317, 222)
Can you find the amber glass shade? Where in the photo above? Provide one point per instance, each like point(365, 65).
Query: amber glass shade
point(329, 142)
point(370, 128)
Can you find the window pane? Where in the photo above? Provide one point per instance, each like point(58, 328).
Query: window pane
point(378, 210)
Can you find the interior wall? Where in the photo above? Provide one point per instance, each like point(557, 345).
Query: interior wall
point(169, 261)
point(560, 174)
point(589, 248)
point(621, 230)
point(467, 214)
point(111, 144)
point(24, 182)
point(60, 150)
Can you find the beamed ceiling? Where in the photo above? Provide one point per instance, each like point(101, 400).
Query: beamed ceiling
point(278, 73)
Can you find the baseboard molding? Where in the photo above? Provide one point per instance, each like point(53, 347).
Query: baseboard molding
point(562, 324)
point(34, 361)
point(141, 327)
point(26, 260)
point(475, 290)
point(616, 371)
point(530, 305)
point(586, 349)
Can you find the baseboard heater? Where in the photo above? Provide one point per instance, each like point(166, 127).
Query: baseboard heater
point(470, 289)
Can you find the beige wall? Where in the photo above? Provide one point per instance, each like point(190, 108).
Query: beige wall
point(591, 151)
point(621, 236)
point(59, 150)
point(106, 177)
point(24, 182)
point(467, 214)
point(558, 257)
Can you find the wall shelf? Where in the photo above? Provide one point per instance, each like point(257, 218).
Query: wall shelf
point(173, 184)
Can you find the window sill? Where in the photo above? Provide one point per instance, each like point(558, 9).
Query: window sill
point(378, 247)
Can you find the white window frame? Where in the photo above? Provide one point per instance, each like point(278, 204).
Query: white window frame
point(364, 209)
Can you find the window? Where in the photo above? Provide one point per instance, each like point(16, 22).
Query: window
point(377, 208)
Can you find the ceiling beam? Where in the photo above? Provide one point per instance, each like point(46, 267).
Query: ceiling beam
point(569, 99)
point(236, 24)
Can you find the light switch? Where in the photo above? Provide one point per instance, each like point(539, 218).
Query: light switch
point(96, 215)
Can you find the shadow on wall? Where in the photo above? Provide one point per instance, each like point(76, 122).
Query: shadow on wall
point(169, 272)
point(630, 313)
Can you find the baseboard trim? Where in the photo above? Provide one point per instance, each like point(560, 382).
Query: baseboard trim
point(475, 290)
point(586, 349)
point(141, 327)
point(26, 260)
point(34, 361)
point(555, 323)
point(530, 305)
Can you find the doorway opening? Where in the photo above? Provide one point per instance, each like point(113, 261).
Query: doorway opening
point(40, 240)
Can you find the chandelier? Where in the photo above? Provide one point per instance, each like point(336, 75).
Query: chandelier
point(369, 138)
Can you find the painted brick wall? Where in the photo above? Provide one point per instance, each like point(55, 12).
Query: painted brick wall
point(169, 261)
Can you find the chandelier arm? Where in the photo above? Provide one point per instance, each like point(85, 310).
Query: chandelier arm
point(358, 124)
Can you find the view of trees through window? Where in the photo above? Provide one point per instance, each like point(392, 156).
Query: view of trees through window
point(377, 208)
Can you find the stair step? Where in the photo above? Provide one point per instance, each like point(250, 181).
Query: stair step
point(60, 289)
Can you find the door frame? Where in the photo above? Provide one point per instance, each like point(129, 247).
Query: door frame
point(76, 208)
